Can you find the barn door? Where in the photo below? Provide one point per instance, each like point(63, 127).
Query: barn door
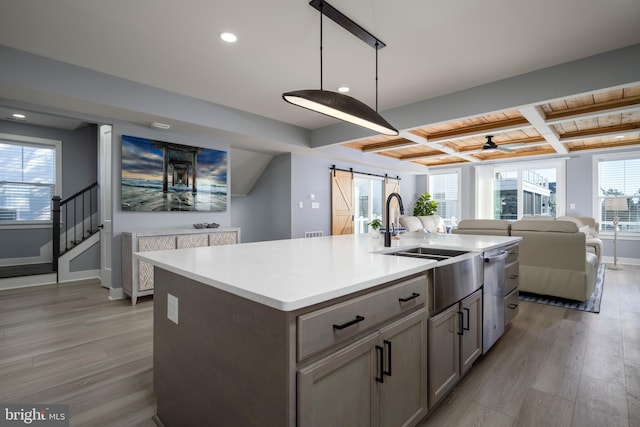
point(391, 185)
point(341, 202)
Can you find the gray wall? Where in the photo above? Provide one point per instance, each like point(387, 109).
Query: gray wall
point(265, 214)
point(79, 169)
point(271, 210)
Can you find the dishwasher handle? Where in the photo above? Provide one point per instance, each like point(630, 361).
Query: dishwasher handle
point(500, 256)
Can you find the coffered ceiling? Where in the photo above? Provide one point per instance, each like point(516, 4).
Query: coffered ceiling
point(599, 120)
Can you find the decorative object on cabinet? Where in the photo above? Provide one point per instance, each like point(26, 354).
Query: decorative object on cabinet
point(163, 176)
point(137, 276)
point(374, 228)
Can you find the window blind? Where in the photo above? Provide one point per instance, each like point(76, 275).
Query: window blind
point(620, 178)
point(27, 181)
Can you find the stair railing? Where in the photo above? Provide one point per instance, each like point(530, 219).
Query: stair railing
point(76, 215)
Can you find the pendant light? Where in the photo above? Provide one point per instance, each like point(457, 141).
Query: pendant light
point(338, 105)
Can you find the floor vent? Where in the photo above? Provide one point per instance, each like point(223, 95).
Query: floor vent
point(312, 233)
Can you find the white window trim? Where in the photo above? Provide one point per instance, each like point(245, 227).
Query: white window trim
point(449, 171)
point(32, 140)
point(595, 208)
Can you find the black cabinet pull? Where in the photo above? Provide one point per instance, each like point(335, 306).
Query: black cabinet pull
point(513, 276)
point(512, 306)
point(380, 353)
point(468, 319)
point(460, 321)
point(413, 296)
point(346, 325)
point(388, 345)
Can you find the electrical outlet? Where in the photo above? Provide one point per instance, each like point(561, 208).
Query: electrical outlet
point(300, 205)
point(315, 205)
point(572, 206)
point(172, 308)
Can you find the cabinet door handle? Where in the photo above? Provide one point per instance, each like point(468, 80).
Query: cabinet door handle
point(512, 306)
point(468, 320)
point(380, 353)
point(388, 345)
point(346, 325)
point(414, 295)
point(460, 321)
point(513, 276)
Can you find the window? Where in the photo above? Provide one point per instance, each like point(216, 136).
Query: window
point(618, 176)
point(444, 188)
point(368, 194)
point(28, 177)
point(511, 191)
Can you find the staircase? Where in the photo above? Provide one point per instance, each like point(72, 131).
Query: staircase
point(75, 226)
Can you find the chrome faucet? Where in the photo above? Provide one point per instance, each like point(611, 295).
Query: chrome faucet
point(387, 232)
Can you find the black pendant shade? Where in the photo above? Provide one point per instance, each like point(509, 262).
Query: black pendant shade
point(338, 105)
point(342, 107)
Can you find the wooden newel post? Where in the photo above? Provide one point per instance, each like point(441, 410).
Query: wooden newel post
point(55, 231)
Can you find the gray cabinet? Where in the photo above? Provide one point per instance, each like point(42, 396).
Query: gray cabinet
point(455, 342)
point(378, 380)
point(137, 276)
point(511, 281)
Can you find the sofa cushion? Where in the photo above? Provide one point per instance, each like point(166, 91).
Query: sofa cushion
point(543, 225)
point(411, 223)
point(432, 223)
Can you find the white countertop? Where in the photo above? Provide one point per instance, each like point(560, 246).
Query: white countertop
point(292, 274)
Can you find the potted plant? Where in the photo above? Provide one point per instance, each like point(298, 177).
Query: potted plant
point(374, 228)
point(424, 206)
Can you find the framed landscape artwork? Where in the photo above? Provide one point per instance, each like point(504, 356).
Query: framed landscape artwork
point(163, 176)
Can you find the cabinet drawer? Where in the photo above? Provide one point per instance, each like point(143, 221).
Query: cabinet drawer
point(511, 276)
point(511, 306)
point(323, 328)
point(512, 252)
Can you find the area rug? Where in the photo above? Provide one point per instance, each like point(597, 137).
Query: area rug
point(592, 304)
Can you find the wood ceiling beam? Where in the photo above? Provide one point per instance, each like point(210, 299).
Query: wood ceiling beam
point(483, 129)
point(601, 109)
point(423, 141)
point(410, 157)
point(387, 146)
point(601, 132)
point(536, 117)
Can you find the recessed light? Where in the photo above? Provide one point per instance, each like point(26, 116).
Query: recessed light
point(228, 37)
point(19, 116)
point(160, 126)
point(343, 89)
point(619, 136)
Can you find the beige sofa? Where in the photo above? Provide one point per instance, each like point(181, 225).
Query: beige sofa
point(490, 227)
point(431, 223)
point(591, 228)
point(554, 259)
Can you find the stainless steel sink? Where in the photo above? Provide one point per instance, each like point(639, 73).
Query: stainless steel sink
point(456, 275)
point(430, 253)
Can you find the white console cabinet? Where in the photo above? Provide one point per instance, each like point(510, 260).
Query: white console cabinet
point(137, 276)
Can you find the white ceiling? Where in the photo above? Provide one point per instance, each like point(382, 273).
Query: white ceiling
point(433, 48)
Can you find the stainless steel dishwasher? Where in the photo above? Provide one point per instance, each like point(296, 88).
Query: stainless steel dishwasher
point(493, 297)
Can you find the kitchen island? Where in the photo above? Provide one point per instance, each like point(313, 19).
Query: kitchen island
point(252, 334)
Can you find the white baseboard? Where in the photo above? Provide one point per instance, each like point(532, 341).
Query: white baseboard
point(78, 275)
point(624, 261)
point(28, 281)
point(115, 294)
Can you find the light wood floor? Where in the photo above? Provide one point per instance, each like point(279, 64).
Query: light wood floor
point(553, 367)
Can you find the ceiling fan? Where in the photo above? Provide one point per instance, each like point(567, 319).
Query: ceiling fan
point(489, 146)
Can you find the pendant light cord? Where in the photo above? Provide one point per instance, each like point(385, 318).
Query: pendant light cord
point(376, 76)
point(321, 6)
